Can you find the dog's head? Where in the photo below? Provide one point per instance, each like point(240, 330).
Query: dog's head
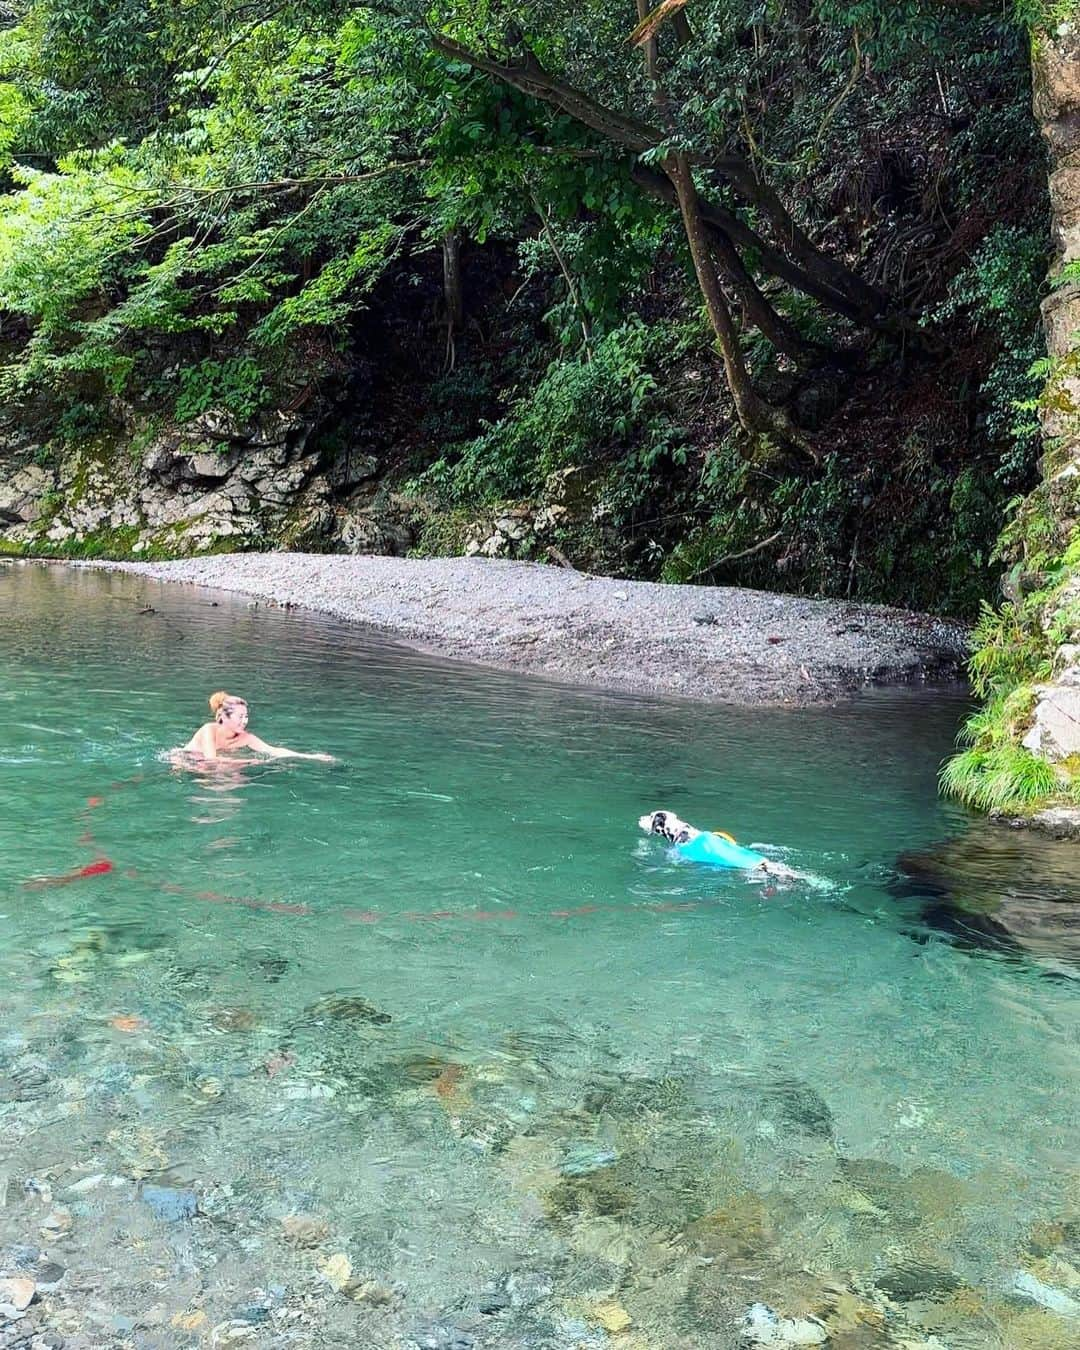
point(667, 824)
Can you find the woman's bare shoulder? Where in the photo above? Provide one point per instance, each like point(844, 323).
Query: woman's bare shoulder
point(199, 739)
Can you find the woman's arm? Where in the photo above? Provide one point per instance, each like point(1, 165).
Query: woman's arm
point(278, 751)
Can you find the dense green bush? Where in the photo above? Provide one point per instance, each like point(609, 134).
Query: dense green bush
point(582, 409)
point(999, 290)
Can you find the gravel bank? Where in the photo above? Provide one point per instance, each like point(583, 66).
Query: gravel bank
point(704, 642)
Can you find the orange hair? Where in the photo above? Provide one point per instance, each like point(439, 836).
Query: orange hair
point(218, 701)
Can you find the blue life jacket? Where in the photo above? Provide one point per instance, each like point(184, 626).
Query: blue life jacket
point(717, 851)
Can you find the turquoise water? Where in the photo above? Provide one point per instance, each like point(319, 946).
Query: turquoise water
point(444, 1002)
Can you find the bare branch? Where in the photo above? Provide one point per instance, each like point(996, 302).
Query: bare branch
point(734, 557)
point(651, 24)
point(772, 260)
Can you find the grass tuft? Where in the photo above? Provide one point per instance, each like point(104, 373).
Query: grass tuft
point(998, 778)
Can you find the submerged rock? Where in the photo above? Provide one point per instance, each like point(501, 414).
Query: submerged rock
point(29, 1080)
point(56, 1225)
point(272, 968)
point(304, 1230)
point(999, 888)
point(371, 1292)
point(419, 1069)
point(255, 1314)
point(16, 1293)
point(336, 1270)
point(803, 1107)
point(585, 1158)
point(492, 1302)
point(612, 1316)
point(1031, 1287)
point(169, 1203)
point(440, 1336)
point(48, 1275)
point(761, 1326)
point(527, 1288)
point(739, 1228)
point(595, 1193)
point(233, 1019)
point(233, 1332)
point(347, 1008)
point(912, 1280)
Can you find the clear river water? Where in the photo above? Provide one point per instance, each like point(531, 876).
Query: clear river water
point(432, 1047)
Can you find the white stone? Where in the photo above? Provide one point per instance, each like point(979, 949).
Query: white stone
point(20, 495)
point(90, 1183)
point(1055, 730)
point(17, 1292)
point(210, 464)
point(511, 527)
point(493, 546)
point(1045, 1295)
point(761, 1326)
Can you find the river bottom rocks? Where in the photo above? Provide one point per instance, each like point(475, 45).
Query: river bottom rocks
point(347, 1185)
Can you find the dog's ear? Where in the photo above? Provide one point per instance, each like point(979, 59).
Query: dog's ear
point(681, 838)
point(659, 822)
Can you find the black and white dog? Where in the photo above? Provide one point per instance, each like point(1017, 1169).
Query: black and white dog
point(668, 825)
point(712, 848)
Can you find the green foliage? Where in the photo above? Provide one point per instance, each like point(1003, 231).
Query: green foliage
point(234, 385)
point(1001, 721)
point(1012, 650)
point(599, 401)
point(235, 207)
point(1007, 651)
point(329, 299)
point(1045, 14)
point(999, 290)
point(456, 403)
point(1002, 778)
point(86, 71)
point(79, 422)
point(59, 238)
point(843, 532)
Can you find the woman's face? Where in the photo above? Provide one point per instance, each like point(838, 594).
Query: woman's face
point(234, 715)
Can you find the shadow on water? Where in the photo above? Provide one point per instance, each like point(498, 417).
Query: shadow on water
point(996, 889)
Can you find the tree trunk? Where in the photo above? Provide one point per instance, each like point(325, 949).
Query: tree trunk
point(772, 261)
point(755, 415)
point(755, 307)
point(725, 256)
point(455, 305)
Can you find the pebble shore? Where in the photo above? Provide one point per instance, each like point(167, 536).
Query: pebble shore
point(715, 643)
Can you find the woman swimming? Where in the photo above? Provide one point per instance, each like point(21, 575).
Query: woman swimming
point(228, 731)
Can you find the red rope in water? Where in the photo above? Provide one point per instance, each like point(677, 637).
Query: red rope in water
point(103, 866)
